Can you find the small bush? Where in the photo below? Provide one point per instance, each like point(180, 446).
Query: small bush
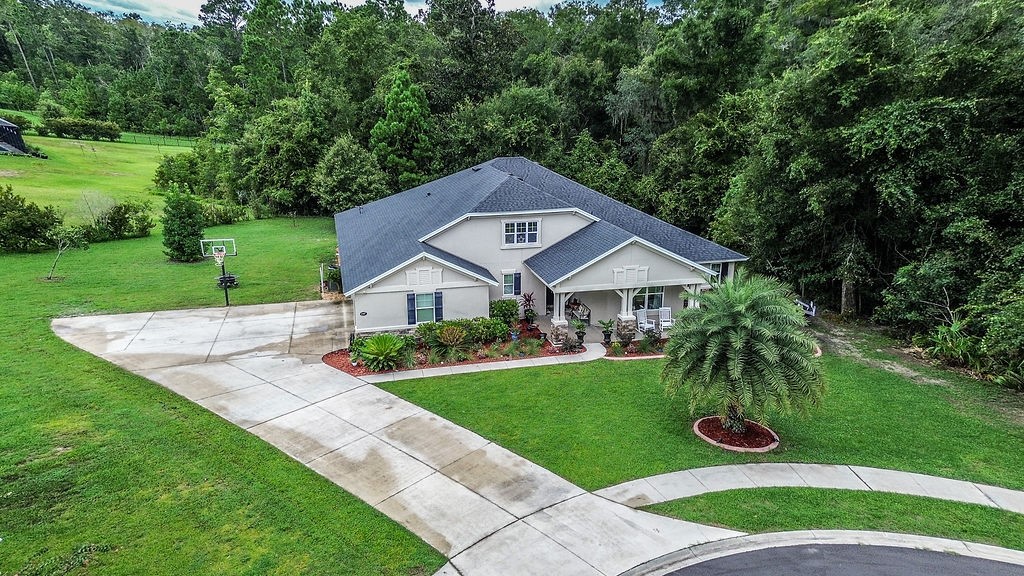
point(451, 336)
point(427, 333)
point(644, 346)
point(127, 219)
point(20, 121)
point(216, 214)
point(530, 346)
point(24, 226)
point(382, 351)
point(488, 330)
point(616, 349)
point(505, 310)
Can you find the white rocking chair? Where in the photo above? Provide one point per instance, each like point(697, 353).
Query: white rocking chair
point(642, 323)
point(665, 317)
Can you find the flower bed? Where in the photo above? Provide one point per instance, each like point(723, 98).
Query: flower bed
point(636, 349)
point(526, 344)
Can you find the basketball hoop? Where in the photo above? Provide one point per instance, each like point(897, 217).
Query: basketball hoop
point(219, 252)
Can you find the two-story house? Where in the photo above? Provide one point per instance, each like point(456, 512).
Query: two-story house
point(510, 226)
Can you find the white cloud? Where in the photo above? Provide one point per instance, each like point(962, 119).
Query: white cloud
point(186, 11)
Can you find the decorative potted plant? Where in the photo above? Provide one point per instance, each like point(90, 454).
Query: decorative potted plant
point(606, 330)
point(528, 302)
point(581, 329)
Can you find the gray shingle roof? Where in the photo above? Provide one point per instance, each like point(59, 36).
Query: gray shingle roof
point(514, 195)
point(457, 261)
point(7, 124)
point(658, 232)
point(576, 250)
point(377, 237)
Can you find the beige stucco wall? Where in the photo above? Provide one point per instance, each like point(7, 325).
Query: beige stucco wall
point(662, 271)
point(383, 304)
point(479, 240)
point(389, 310)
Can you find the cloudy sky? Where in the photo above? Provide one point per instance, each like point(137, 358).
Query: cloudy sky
point(187, 11)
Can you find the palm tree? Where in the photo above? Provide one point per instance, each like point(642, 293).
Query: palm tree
point(743, 349)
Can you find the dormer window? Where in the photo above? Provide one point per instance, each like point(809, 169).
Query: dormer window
point(520, 233)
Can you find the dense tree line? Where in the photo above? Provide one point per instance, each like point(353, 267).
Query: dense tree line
point(867, 152)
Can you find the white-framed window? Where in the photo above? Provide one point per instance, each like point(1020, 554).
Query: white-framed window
point(722, 268)
point(650, 298)
point(520, 233)
point(511, 283)
point(423, 277)
point(425, 307)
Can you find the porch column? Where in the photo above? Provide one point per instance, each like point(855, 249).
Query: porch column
point(626, 295)
point(559, 325)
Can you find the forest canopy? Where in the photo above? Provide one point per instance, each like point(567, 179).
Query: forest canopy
point(868, 153)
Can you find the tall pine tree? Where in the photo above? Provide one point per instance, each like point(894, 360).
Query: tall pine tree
point(400, 139)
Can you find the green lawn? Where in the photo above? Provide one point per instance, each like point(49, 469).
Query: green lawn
point(780, 509)
point(93, 455)
point(602, 423)
point(81, 172)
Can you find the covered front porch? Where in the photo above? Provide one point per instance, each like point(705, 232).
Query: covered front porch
point(603, 273)
point(622, 305)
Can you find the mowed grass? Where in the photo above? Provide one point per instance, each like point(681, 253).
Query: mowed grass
point(95, 458)
point(82, 172)
point(602, 423)
point(780, 509)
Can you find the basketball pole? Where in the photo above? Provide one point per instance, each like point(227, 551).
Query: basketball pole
point(227, 302)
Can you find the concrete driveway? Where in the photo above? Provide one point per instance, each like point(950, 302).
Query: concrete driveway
point(488, 510)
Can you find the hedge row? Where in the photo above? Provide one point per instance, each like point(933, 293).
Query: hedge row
point(80, 128)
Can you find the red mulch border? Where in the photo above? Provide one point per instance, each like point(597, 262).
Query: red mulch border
point(757, 438)
point(341, 360)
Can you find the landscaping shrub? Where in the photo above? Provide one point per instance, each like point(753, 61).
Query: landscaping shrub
point(952, 344)
point(24, 226)
point(20, 121)
point(616, 349)
point(382, 351)
point(505, 310)
point(530, 346)
point(78, 128)
point(183, 227)
point(126, 219)
point(427, 333)
point(215, 214)
point(487, 330)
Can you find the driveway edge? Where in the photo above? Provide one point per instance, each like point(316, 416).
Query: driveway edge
point(741, 544)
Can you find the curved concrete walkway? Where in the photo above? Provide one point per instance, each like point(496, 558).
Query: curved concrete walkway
point(677, 561)
point(686, 483)
point(490, 511)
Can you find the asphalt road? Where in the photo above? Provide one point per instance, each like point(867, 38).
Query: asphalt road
point(848, 560)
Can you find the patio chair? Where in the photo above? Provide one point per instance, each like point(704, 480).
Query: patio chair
point(642, 323)
point(665, 317)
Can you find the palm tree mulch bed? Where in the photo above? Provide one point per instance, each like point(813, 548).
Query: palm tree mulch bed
point(757, 438)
